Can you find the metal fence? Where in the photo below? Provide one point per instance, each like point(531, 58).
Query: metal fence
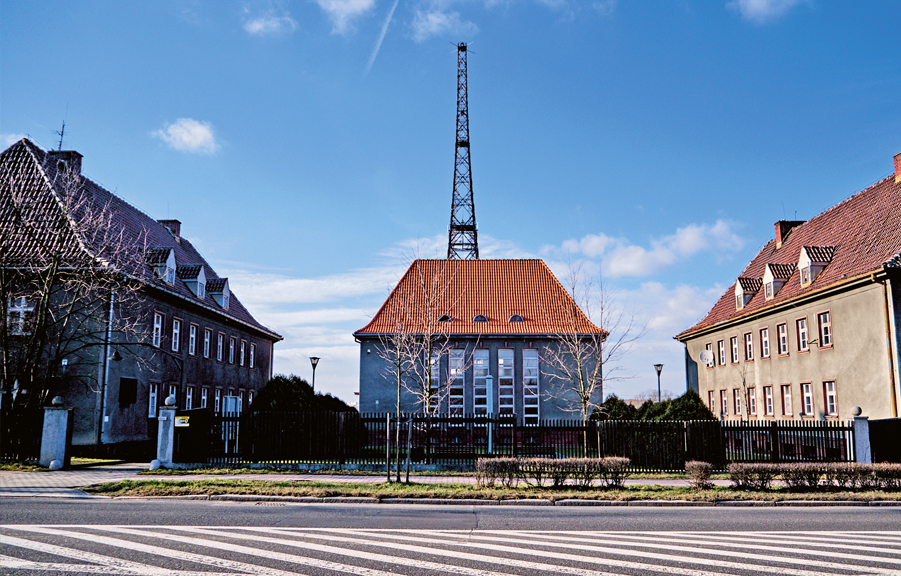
point(331, 439)
point(20, 434)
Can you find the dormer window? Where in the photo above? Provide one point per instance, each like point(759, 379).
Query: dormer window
point(768, 293)
point(201, 290)
point(739, 300)
point(169, 276)
point(775, 276)
point(745, 288)
point(194, 278)
point(812, 261)
point(162, 260)
point(480, 318)
point(445, 318)
point(218, 289)
point(805, 275)
point(517, 318)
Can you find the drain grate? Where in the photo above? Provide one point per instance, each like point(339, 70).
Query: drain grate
point(270, 504)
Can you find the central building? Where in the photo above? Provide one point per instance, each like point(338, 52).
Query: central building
point(473, 337)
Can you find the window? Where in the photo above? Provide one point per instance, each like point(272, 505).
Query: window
point(824, 321)
point(240, 401)
point(805, 275)
point(169, 276)
point(176, 334)
point(204, 397)
point(782, 334)
point(517, 318)
point(736, 401)
point(721, 352)
point(189, 398)
point(128, 391)
point(765, 343)
point(803, 344)
point(733, 342)
point(749, 347)
point(445, 318)
point(192, 340)
point(217, 400)
point(709, 348)
point(506, 402)
point(241, 352)
point(480, 318)
point(787, 400)
point(530, 391)
point(154, 390)
point(768, 400)
point(253, 350)
point(724, 403)
point(752, 401)
point(250, 398)
point(157, 329)
point(173, 391)
point(207, 338)
point(456, 385)
point(830, 398)
point(231, 349)
point(432, 359)
point(19, 313)
point(201, 290)
point(739, 300)
point(220, 346)
point(807, 395)
point(711, 401)
point(768, 290)
point(479, 373)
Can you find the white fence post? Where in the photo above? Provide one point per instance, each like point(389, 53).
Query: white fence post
point(165, 441)
point(862, 452)
point(56, 437)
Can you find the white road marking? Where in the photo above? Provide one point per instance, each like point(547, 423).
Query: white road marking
point(829, 541)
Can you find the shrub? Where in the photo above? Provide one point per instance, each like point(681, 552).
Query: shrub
point(752, 476)
point(699, 474)
point(491, 470)
point(803, 475)
point(888, 475)
point(585, 470)
point(534, 471)
point(615, 470)
point(842, 474)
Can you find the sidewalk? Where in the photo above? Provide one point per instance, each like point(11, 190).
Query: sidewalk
point(68, 483)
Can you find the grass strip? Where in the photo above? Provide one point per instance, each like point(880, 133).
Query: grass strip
point(213, 486)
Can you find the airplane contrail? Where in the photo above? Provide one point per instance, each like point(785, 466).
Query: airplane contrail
point(378, 44)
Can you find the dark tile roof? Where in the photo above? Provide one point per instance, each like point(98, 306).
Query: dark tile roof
point(782, 271)
point(751, 285)
point(862, 233)
point(820, 254)
point(215, 285)
point(463, 289)
point(40, 182)
point(157, 256)
point(189, 271)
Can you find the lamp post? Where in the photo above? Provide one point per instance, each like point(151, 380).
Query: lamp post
point(314, 360)
point(659, 369)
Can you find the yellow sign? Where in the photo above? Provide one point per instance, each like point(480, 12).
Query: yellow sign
point(182, 421)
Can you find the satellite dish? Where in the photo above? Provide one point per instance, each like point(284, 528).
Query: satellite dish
point(706, 357)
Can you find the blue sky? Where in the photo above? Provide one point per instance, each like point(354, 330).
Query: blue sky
point(308, 146)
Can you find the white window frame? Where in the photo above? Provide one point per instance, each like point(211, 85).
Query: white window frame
point(736, 401)
point(173, 391)
point(207, 342)
point(157, 329)
point(231, 349)
point(830, 398)
point(803, 342)
point(807, 395)
point(456, 382)
point(18, 312)
point(749, 346)
point(176, 334)
point(824, 322)
point(721, 352)
point(768, 399)
point(786, 394)
point(765, 342)
point(204, 397)
point(531, 386)
point(480, 370)
point(189, 398)
point(220, 346)
point(782, 335)
point(253, 349)
point(192, 340)
point(724, 403)
point(152, 399)
point(733, 344)
point(752, 401)
point(506, 385)
point(217, 399)
point(711, 401)
point(241, 352)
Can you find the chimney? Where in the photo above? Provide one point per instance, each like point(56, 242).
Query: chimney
point(897, 167)
point(784, 228)
point(68, 161)
point(174, 226)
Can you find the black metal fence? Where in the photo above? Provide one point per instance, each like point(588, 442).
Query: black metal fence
point(885, 440)
point(20, 434)
point(334, 439)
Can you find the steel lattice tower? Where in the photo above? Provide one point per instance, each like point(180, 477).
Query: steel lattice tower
point(463, 243)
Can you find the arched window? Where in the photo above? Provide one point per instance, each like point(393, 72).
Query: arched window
point(517, 318)
point(480, 318)
point(445, 318)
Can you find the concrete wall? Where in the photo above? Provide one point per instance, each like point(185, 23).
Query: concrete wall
point(378, 389)
point(857, 362)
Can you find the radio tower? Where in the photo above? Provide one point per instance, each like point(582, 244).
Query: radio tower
point(463, 243)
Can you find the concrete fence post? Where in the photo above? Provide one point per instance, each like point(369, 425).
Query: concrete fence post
point(862, 452)
point(165, 443)
point(56, 437)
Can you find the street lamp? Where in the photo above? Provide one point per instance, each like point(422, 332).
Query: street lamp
point(659, 369)
point(314, 360)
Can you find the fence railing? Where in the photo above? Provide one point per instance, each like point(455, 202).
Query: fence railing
point(20, 434)
point(340, 439)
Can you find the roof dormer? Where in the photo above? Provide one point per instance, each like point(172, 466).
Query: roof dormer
point(218, 289)
point(812, 261)
point(162, 260)
point(745, 288)
point(774, 278)
point(194, 278)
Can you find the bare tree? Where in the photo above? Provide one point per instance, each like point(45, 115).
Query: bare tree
point(598, 332)
point(743, 376)
point(68, 283)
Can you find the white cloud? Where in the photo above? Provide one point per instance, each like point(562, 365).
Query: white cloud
point(342, 13)
point(187, 135)
point(762, 11)
point(605, 7)
point(436, 22)
point(621, 258)
point(271, 23)
point(7, 140)
point(263, 288)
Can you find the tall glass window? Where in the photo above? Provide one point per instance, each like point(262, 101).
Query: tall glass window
point(456, 383)
point(530, 387)
point(765, 343)
point(506, 400)
point(479, 373)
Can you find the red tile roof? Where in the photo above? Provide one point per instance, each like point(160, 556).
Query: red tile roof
point(463, 289)
point(862, 232)
point(25, 164)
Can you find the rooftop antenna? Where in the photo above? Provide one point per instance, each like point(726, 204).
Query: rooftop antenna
point(63, 131)
point(462, 243)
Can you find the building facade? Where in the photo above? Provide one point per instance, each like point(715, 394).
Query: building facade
point(809, 329)
point(160, 321)
point(495, 328)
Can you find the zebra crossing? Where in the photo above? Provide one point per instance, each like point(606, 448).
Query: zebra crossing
point(215, 551)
